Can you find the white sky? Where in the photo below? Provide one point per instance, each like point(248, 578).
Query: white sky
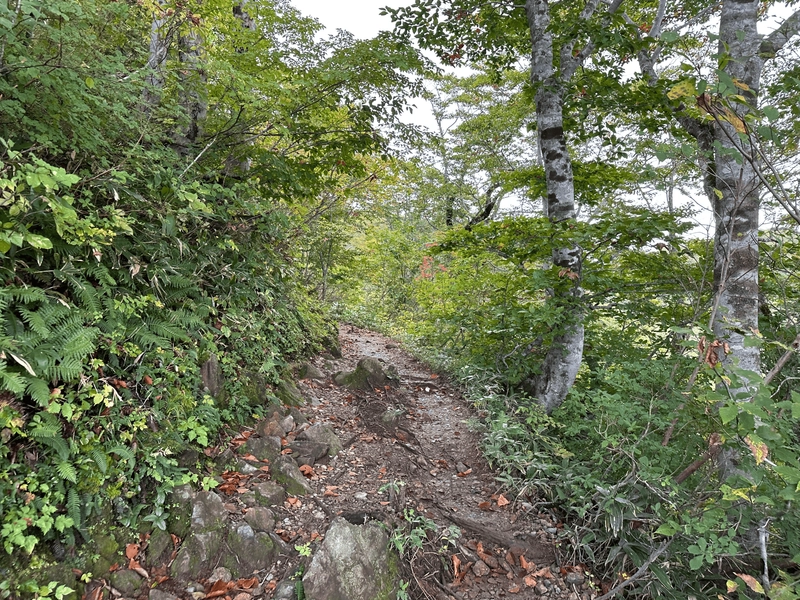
point(359, 17)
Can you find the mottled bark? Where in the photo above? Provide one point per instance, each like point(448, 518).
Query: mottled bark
point(736, 197)
point(157, 56)
point(563, 359)
point(193, 80)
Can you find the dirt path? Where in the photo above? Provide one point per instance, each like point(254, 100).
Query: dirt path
point(409, 453)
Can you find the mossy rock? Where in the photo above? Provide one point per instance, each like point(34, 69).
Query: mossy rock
point(369, 374)
point(288, 394)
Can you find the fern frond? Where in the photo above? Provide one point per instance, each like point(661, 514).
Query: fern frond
point(66, 470)
point(38, 390)
point(74, 508)
point(124, 453)
point(35, 321)
point(99, 457)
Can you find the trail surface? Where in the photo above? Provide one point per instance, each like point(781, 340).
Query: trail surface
point(409, 449)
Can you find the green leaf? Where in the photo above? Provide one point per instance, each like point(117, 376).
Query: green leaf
point(38, 241)
point(670, 36)
point(771, 113)
point(667, 529)
point(728, 413)
point(89, 82)
point(696, 563)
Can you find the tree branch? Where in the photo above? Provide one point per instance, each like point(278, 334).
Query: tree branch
point(772, 44)
point(639, 572)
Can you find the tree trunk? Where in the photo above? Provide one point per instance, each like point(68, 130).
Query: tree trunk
point(563, 359)
point(736, 197)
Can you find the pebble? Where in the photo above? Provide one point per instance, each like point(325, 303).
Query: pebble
point(541, 589)
point(575, 578)
point(551, 530)
point(220, 574)
point(480, 569)
point(360, 495)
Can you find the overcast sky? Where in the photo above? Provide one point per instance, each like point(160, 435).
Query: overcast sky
point(359, 17)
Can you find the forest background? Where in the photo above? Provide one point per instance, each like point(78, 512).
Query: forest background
point(195, 179)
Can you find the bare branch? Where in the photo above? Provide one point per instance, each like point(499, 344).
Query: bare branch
point(639, 572)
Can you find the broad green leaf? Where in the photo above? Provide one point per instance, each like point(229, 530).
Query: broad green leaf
point(38, 241)
point(728, 413)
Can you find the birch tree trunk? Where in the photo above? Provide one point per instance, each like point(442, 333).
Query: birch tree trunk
point(563, 359)
point(736, 197)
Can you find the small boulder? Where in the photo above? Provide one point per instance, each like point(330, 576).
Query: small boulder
point(369, 374)
point(269, 493)
point(248, 551)
point(322, 434)
point(263, 448)
point(308, 371)
point(156, 594)
point(260, 519)
point(353, 563)
point(288, 393)
point(126, 581)
point(285, 471)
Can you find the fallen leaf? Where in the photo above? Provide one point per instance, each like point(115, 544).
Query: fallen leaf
point(265, 468)
point(134, 565)
point(529, 581)
point(514, 589)
point(485, 506)
point(307, 470)
point(131, 550)
point(528, 566)
point(465, 473)
point(315, 535)
point(286, 451)
point(247, 584)
point(114, 567)
point(456, 565)
point(249, 457)
point(503, 501)
point(329, 491)
point(219, 589)
point(543, 572)
point(242, 490)
point(294, 501)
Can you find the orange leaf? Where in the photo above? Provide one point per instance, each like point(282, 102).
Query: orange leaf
point(456, 565)
point(315, 535)
point(293, 501)
point(249, 457)
point(465, 473)
point(514, 589)
point(528, 566)
point(131, 550)
point(307, 470)
point(286, 451)
point(135, 566)
point(503, 501)
point(543, 572)
point(759, 449)
point(247, 584)
point(220, 588)
point(751, 582)
point(485, 505)
point(529, 581)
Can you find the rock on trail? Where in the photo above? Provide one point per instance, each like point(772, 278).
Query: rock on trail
point(379, 446)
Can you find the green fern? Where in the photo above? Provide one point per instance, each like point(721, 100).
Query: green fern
point(66, 470)
point(99, 457)
point(38, 390)
point(73, 506)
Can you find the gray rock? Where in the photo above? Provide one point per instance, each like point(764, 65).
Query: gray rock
point(181, 504)
point(306, 452)
point(248, 551)
point(245, 468)
point(260, 519)
point(270, 427)
point(575, 578)
point(285, 591)
point(353, 563)
point(288, 393)
point(126, 581)
point(322, 434)
point(208, 512)
point(285, 471)
point(287, 423)
point(156, 594)
point(198, 552)
point(369, 374)
point(211, 374)
point(263, 448)
point(299, 418)
point(220, 574)
point(541, 589)
point(269, 493)
point(159, 547)
point(308, 371)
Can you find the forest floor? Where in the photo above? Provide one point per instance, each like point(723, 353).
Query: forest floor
point(409, 450)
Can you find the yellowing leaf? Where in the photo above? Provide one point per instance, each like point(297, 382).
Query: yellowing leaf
point(751, 582)
point(758, 448)
point(683, 89)
point(732, 586)
point(732, 118)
